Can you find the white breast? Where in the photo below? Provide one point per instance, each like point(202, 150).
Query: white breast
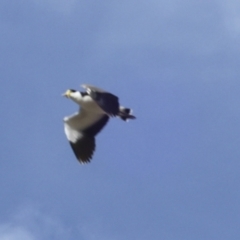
point(90, 105)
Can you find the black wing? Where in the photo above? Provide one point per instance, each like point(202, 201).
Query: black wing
point(105, 100)
point(84, 146)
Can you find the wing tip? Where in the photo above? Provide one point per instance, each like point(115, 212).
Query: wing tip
point(84, 161)
point(84, 149)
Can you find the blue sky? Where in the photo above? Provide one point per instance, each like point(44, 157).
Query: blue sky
point(173, 173)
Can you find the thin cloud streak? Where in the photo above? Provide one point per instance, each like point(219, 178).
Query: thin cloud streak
point(10, 232)
point(30, 224)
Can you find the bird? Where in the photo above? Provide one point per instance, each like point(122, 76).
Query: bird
point(97, 106)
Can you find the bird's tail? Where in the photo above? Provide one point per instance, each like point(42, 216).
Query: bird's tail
point(125, 113)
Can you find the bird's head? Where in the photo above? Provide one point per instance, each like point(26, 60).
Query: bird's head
point(72, 94)
point(69, 93)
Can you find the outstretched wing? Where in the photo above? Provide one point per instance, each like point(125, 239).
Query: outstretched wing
point(105, 100)
point(81, 129)
point(84, 148)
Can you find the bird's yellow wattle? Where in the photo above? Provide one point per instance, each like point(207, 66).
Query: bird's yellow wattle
point(67, 93)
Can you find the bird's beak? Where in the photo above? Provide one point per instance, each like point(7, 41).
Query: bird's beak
point(67, 94)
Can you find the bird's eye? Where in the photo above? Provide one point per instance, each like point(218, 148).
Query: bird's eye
point(72, 90)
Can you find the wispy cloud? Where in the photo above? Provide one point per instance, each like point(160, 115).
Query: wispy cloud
point(11, 232)
point(31, 224)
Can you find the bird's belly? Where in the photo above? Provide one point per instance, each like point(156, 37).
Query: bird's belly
point(90, 105)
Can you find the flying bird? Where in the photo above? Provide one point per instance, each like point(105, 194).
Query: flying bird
point(96, 107)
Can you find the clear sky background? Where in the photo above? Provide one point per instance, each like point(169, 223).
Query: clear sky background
point(174, 172)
